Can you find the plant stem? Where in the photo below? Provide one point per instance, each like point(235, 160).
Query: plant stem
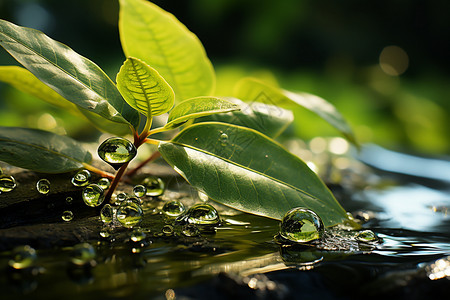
point(98, 171)
point(116, 181)
point(152, 157)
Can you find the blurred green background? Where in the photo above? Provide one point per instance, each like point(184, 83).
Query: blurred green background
point(383, 64)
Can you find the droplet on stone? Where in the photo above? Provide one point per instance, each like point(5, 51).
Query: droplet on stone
point(137, 235)
point(81, 178)
point(93, 195)
point(167, 230)
point(23, 257)
point(117, 151)
point(107, 213)
point(67, 215)
point(139, 190)
point(190, 230)
point(129, 214)
point(173, 208)
point(82, 254)
point(223, 139)
point(7, 183)
point(104, 183)
point(366, 236)
point(155, 186)
point(200, 214)
point(43, 186)
point(301, 225)
point(69, 200)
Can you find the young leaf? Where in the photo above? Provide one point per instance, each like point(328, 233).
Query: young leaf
point(246, 170)
point(198, 107)
point(143, 88)
point(41, 151)
point(250, 89)
point(71, 75)
point(158, 38)
point(268, 119)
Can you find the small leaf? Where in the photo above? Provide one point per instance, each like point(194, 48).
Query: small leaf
point(71, 75)
point(198, 107)
point(246, 170)
point(158, 38)
point(41, 151)
point(144, 89)
point(268, 119)
point(250, 89)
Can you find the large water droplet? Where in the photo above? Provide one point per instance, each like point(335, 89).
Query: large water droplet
point(67, 216)
point(107, 213)
point(23, 257)
point(129, 214)
point(104, 183)
point(93, 195)
point(173, 208)
point(43, 186)
point(155, 186)
point(7, 183)
point(301, 225)
point(366, 236)
point(81, 178)
point(116, 151)
point(82, 254)
point(139, 190)
point(223, 139)
point(200, 214)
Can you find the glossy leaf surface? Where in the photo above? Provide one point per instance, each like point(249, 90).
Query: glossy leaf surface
point(198, 107)
point(71, 75)
point(143, 88)
point(248, 171)
point(41, 151)
point(158, 38)
point(250, 89)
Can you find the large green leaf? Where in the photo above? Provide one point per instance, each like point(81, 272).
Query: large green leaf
point(41, 151)
point(158, 38)
point(71, 75)
point(198, 107)
point(250, 89)
point(144, 89)
point(268, 119)
point(246, 170)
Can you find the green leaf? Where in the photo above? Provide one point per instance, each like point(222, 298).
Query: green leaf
point(119, 129)
point(246, 170)
point(268, 119)
point(41, 151)
point(144, 89)
point(250, 89)
point(71, 75)
point(198, 107)
point(158, 38)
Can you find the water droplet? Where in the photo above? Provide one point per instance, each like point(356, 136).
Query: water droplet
point(137, 235)
point(139, 190)
point(366, 236)
point(7, 183)
point(93, 195)
point(43, 186)
point(82, 254)
point(116, 151)
point(121, 197)
point(155, 186)
point(107, 213)
point(223, 139)
point(301, 225)
point(190, 230)
point(200, 214)
point(203, 196)
point(104, 183)
point(135, 200)
point(69, 200)
point(129, 214)
point(67, 215)
point(173, 208)
point(167, 230)
point(23, 257)
point(81, 178)
point(106, 232)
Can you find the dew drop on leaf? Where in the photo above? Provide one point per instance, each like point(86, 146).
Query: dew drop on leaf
point(366, 236)
point(200, 214)
point(7, 183)
point(104, 183)
point(173, 208)
point(81, 178)
point(139, 190)
point(23, 257)
point(82, 254)
point(43, 186)
point(67, 215)
point(223, 139)
point(129, 214)
point(107, 213)
point(117, 151)
point(93, 195)
point(155, 186)
point(301, 225)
